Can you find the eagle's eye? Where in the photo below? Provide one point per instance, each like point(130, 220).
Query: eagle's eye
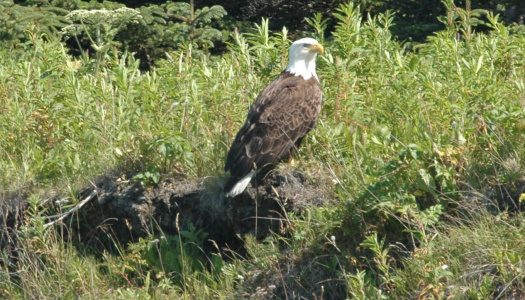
point(307, 45)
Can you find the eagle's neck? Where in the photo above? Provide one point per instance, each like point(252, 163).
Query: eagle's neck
point(302, 67)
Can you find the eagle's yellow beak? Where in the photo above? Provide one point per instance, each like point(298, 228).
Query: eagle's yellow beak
point(317, 48)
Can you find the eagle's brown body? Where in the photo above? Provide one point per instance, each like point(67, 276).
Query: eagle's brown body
point(281, 116)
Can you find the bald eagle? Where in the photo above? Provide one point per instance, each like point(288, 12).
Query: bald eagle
point(281, 116)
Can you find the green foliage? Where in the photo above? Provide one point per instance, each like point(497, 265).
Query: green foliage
point(150, 177)
point(148, 32)
point(175, 257)
point(413, 132)
point(406, 139)
point(319, 24)
point(417, 20)
point(468, 261)
point(262, 51)
point(380, 258)
point(163, 156)
point(100, 26)
point(19, 23)
point(462, 20)
point(362, 286)
point(195, 28)
point(174, 26)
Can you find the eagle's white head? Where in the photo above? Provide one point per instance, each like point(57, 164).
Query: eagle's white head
point(302, 56)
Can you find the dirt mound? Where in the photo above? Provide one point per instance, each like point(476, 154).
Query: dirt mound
point(114, 211)
point(125, 210)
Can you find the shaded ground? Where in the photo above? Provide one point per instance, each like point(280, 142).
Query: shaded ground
point(123, 210)
point(126, 210)
point(119, 211)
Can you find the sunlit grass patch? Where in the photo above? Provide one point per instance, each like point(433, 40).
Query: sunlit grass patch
point(404, 141)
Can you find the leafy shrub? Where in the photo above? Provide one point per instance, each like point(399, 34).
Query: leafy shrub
point(414, 144)
point(20, 24)
point(149, 32)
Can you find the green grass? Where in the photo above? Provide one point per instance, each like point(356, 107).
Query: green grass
point(422, 150)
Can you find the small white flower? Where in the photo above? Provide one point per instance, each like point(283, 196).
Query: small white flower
point(332, 238)
point(62, 201)
point(444, 267)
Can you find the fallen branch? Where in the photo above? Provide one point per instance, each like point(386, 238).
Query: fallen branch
point(79, 206)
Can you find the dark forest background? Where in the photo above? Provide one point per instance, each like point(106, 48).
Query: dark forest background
point(169, 26)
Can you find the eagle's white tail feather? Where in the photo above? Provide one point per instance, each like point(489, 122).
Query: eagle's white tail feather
point(240, 186)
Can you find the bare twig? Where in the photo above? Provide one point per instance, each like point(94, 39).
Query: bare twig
point(79, 206)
